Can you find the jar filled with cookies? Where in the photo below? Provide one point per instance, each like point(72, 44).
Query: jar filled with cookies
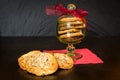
point(71, 28)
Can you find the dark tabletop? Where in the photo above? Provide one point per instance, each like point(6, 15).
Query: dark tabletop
point(107, 48)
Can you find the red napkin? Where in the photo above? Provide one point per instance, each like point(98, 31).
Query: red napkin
point(88, 57)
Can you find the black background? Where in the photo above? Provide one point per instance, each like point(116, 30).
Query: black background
point(28, 18)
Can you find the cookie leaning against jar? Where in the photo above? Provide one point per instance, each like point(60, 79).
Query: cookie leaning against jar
point(64, 61)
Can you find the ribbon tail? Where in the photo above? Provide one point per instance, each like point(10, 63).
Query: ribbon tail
point(84, 13)
point(50, 10)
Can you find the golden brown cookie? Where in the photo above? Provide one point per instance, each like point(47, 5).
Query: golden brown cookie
point(38, 63)
point(25, 57)
point(71, 27)
point(69, 30)
point(74, 34)
point(64, 61)
point(66, 19)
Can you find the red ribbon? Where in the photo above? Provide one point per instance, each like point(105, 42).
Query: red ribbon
point(59, 10)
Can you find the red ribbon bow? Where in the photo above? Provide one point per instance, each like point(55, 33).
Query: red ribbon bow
point(59, 10)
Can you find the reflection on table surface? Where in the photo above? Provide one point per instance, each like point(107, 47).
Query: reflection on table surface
point(64, 73)
point(107, 48)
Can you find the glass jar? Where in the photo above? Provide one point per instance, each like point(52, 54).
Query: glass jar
point(71, 29)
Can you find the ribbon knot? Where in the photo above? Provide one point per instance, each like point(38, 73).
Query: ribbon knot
point(59, 10)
